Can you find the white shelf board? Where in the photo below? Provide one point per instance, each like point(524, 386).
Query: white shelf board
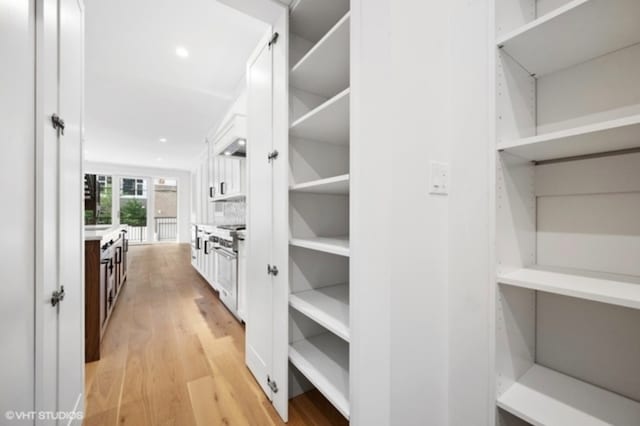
point(324, 361)
point(333, 245)
point(545, 397)
point(328, 122)
point(337, 185)
point(230, 197)
point(612, 135)
point(328, 306)
point(621, 290)
point(311, 19)
point(579, 31)
point(324, 70)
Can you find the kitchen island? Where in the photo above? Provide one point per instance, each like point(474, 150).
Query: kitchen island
point(105, 252)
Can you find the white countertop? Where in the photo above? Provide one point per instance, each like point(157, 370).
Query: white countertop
point(100, 232)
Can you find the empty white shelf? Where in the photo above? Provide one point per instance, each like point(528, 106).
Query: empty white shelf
point(328, 306)
point(324, 361)
point(311, 19)
point(230, 197)
point(546, 397)
point(612, 135)
point(337, 185)
point(324, 70)
point(577, 32)
point(333, 245)
point(621, 290)
point(327, 123)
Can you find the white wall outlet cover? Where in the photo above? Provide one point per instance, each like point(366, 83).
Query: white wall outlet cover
point(439, 178)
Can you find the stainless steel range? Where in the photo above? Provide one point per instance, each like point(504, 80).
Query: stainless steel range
point(225, 244)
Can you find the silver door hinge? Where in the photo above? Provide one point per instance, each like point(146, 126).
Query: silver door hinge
point(58, 123)
point(272, 384)
point(272, 155)
point(57, 296)
point(274, 39)
point(272, 270)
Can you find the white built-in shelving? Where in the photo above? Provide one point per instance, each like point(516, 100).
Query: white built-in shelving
point(574, 33)
point(324, 70)
point(614, 289)
point(338, 185)
point(319, 195)
point(324, 360)
point(329, 122)
point(311, 20)
point(567, 274)
point(334, 245)
point(607, 136)
point(545, 397)
point(328, 306)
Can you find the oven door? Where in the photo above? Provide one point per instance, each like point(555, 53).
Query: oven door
point(227, 275)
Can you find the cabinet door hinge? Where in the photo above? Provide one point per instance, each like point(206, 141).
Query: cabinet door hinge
point(274, 39)
point(272, 384)
point(272, 155)
point(57, 296)
point(58, 123)
point(272, 270)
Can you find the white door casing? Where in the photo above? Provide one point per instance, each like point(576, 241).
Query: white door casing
point(70, 194)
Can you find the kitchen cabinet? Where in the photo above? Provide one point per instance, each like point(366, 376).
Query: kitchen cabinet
point(105, 274)
point(228, 178)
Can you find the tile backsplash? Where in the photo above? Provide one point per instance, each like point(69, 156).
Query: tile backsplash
point(230, 213)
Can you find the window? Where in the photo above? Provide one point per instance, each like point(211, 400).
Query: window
point(98, 195)
point(133, 188)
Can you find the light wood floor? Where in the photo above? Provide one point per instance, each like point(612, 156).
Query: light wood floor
point(173, 355)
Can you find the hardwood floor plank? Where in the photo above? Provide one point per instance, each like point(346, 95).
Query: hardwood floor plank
point(214, 403)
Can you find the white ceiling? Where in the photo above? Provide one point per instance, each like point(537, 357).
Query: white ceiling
point(138, 90)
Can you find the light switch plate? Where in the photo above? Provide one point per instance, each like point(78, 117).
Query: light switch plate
point(439, 178)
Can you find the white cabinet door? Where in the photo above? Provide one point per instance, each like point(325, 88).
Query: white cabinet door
point(242, 280)
point(204, 181)
point(233, 175)
point(259, 330)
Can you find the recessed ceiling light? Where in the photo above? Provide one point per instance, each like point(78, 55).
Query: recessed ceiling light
point(159, 159)
point(227, 153)
point(182, 52)
point(242, 142)
point(163, 140)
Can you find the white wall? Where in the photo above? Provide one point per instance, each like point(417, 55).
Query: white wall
point(471, 339)
point(184, 188)
point(421, 133)
point(420, 94)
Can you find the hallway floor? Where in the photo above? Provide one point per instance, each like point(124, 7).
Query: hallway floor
point(173, 355)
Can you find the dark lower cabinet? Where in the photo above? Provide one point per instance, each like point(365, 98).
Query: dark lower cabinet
point(105, 273)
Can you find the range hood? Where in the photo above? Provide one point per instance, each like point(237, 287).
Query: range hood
point(231, 138)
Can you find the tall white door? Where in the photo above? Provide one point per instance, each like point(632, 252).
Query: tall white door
point(259, 330)
point(59, 248)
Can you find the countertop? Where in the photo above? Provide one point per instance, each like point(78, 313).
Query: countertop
point(101, 232)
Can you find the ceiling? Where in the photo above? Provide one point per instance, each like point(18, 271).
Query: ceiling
point(139, 91)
